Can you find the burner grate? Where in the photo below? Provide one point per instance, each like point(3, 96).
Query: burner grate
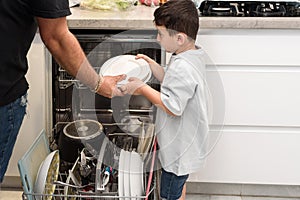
point(250, 9)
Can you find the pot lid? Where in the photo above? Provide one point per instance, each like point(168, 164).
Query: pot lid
point(83, 129)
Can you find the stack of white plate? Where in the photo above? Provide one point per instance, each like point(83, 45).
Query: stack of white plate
point(126, 64)
point(131, 176)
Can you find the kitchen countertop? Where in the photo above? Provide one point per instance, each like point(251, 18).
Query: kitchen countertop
point(141, 17)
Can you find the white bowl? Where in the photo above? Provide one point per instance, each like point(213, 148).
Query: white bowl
point(47, 174)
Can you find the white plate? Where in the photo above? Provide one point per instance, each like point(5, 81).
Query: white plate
point(146, 139)
point(126, 64)
point(127, 174)
point(100, 162)
point(73, 179)
point(136, 175)
point(121, 174)
point(47, 174)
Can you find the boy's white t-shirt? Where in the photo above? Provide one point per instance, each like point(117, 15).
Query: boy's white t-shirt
point(183, 139)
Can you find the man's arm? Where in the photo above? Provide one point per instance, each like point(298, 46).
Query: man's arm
point(67, 52)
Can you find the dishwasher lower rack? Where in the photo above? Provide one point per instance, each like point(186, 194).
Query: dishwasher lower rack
point(63, 191)
point(67, 187)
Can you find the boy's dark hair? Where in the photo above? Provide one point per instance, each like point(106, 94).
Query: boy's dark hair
point(178, 15)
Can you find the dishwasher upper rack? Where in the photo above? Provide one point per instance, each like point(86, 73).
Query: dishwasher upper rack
point(73, 96)
point(65, 80)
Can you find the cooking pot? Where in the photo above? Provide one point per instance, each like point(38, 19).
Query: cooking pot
point(77, 135)
point(141, 102)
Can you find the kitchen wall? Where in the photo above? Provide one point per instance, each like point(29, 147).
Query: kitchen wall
point(34, 120)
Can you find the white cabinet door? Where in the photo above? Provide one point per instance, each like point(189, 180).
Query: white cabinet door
point(260, 73)
point(251, 47)
point(261, 95)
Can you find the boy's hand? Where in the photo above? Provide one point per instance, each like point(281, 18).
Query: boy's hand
point(146, 58)
point(133, 86)
point(156, 69)
point(109, 88)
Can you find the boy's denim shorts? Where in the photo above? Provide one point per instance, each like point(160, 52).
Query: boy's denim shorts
point(171, 185)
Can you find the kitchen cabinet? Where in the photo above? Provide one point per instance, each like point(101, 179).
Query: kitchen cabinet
point(260, 73)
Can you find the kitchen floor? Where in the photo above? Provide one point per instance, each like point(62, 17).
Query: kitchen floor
point(10, 194)
point(17, 195)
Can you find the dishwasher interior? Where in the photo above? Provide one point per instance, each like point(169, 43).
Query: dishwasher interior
point(101, 140)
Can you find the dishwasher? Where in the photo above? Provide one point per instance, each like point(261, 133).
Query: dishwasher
point(107, 147)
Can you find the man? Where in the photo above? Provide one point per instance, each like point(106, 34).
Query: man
point(18, 25)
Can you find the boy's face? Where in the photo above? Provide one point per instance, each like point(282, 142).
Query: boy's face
point(169, 43)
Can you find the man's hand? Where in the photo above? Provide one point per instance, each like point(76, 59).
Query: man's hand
point(109, 87)
point(133, 86)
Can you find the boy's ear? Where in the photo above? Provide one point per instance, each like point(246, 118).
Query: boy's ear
point(181, 38)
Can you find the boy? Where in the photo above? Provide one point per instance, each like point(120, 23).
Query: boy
point(182, 117)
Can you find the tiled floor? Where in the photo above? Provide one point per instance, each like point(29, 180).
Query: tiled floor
point(220, 197)
point(17, 195)
point(10, 195)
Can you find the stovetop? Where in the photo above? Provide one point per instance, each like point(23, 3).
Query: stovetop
point(250, 9)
